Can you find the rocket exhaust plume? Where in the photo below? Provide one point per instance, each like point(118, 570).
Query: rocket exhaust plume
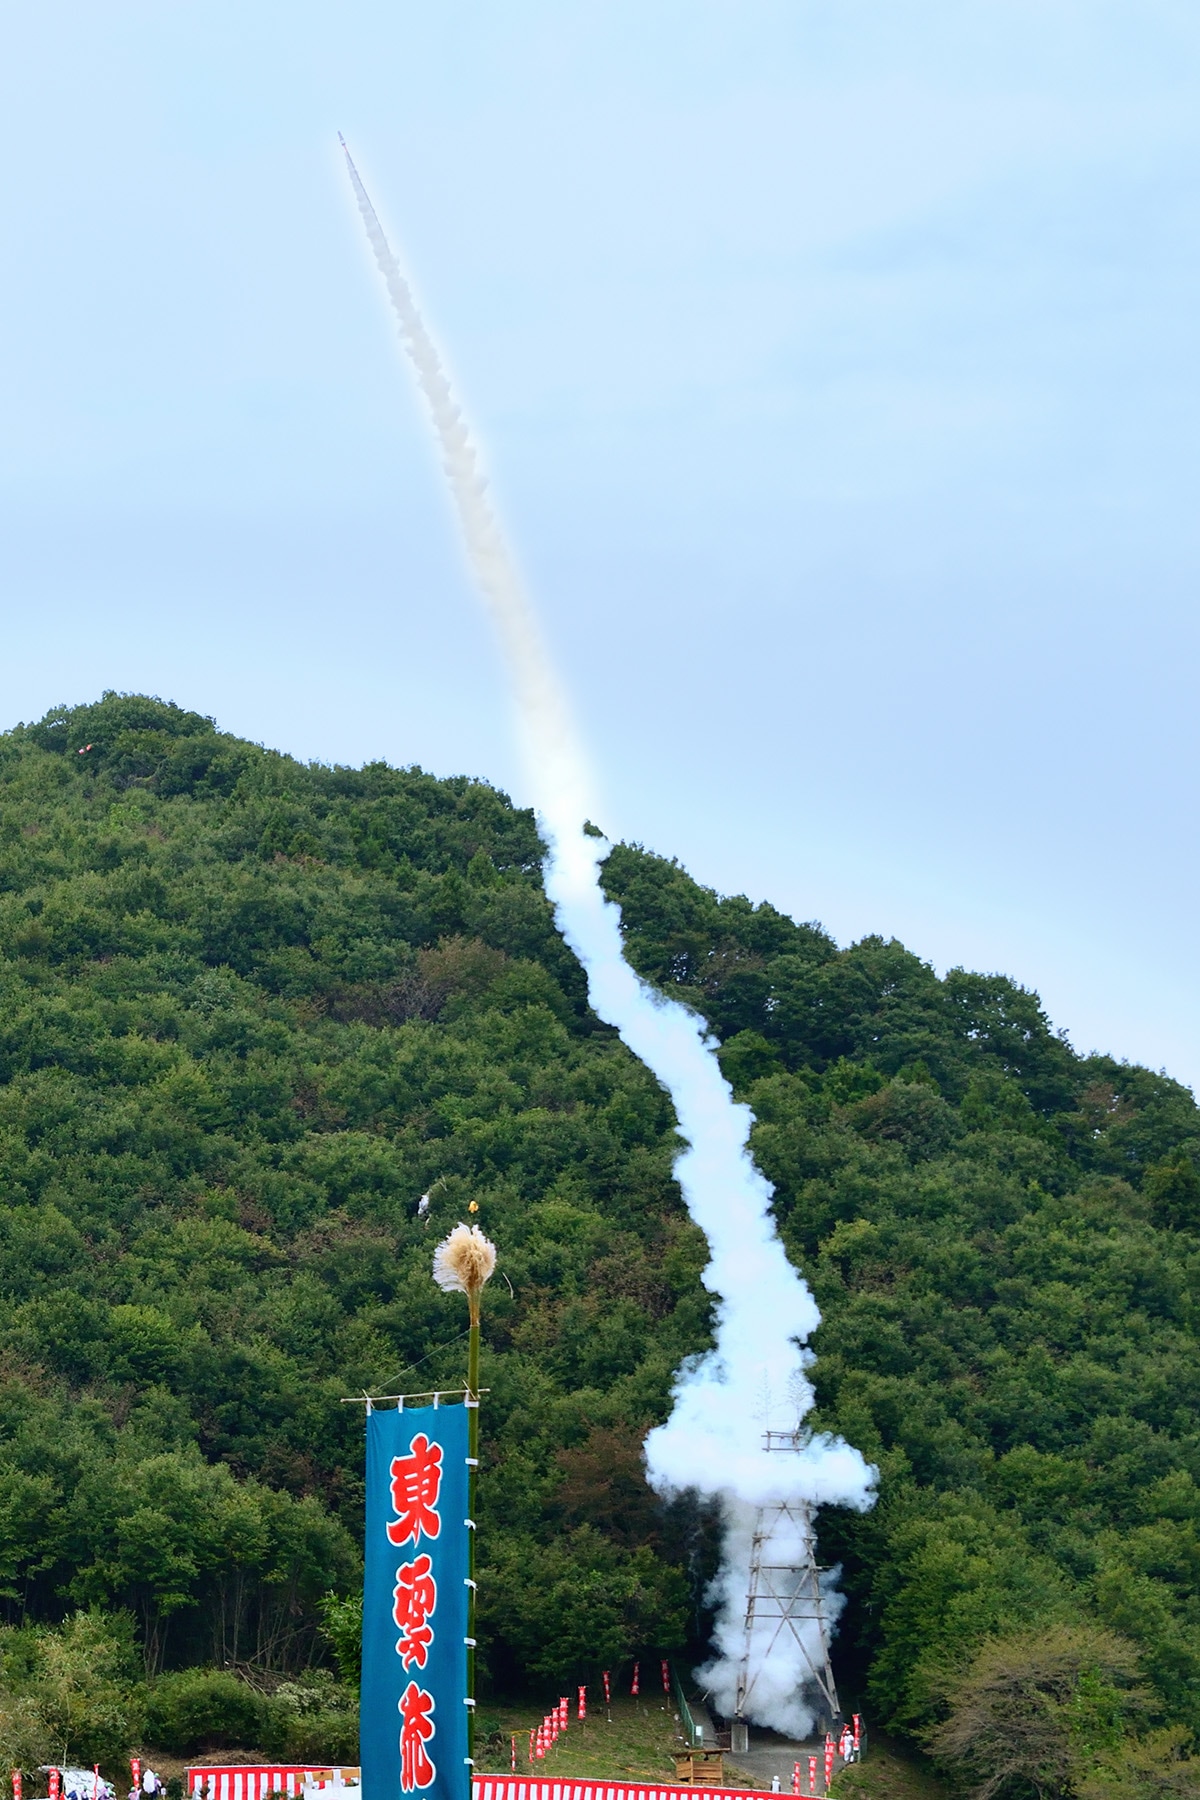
point(753, 1379)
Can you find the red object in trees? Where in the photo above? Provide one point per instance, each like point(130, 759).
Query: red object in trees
point(634, 1688)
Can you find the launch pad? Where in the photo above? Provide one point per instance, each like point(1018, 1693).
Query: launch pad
point(785, 1598)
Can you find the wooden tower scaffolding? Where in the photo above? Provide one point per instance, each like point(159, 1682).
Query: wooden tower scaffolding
point(785, 1598)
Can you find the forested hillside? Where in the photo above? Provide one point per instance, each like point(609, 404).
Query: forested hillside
point(1004, 1238)
point(253, 1009)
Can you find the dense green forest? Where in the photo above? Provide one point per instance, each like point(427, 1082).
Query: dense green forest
point(253, 1009)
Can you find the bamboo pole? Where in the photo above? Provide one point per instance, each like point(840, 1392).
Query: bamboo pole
point(471, 1400)
point(463, 1264)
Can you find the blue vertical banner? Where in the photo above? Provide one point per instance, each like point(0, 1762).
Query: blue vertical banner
point(413, 1732)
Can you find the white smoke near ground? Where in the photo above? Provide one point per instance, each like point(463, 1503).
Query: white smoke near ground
point(753, 1379)
point(777, 1663)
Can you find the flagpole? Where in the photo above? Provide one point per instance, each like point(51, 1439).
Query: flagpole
point(471, 1400)
point(462, 1264)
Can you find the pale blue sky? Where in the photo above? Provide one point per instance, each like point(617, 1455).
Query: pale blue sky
point(837, 366)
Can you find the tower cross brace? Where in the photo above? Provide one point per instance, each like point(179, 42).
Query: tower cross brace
point(785, 1597)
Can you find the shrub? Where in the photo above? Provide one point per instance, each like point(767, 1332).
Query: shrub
point(204, 1709)
point(314, 1718)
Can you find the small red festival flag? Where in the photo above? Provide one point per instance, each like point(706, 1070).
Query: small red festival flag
point(795, 1778)
point(666, 1676)
point(634, 1688)
point(857, 1732)
point(812, 1774)
point(582, 1714)
point(828, 1760)
point(514, 1754)
point(532, 1742)
point(53, 1784)
point(135, 1769)
point(607, 1689)
point(564, 1711)
point(16, 1784)
point(541, 1742)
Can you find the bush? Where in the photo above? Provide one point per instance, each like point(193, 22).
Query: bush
point(69, 1694)
point(314, 1718)
point(317, 1737)
point(311, 1719)
point(205, 1709)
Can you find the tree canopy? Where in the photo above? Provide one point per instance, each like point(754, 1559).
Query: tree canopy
point(254, 1009)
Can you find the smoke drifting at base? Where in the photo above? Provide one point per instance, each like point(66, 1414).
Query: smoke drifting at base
point(754, 1377)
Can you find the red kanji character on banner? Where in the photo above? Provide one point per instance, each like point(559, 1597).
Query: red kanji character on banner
point(416, 1768)
point(416, 1482)
point(416, 1597)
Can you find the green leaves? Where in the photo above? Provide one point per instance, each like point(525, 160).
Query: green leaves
point(579, 1604)
point(251, 1010)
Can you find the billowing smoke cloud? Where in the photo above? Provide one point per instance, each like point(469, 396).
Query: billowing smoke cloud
point(754, 1377)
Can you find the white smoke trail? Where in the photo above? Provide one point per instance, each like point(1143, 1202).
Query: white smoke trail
point(753, 1378)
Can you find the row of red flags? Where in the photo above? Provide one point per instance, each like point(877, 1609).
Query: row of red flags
point(847, 1746)
point(54, 1776)
point(53, 1783)
point(556, 1720)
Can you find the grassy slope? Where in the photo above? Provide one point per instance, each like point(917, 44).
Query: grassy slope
point(639, 1744)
